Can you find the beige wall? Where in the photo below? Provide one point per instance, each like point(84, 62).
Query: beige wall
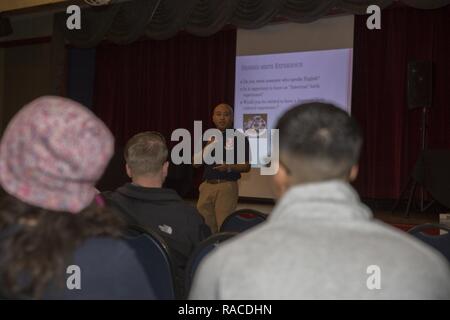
point(325, 34)
point(30, 26)
point(7, 5)
point(24, 69)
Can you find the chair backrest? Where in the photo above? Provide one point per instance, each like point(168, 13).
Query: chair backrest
point(242, 220)
point(202, 250)
point(153, 253)
point(439, 242)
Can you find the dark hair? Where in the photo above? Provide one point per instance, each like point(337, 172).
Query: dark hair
point(229, 107)
point(324, 138)
point(37, 244)
point(146, 152)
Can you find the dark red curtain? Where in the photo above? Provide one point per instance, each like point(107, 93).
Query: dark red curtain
point(391, 131)
point(163, 85)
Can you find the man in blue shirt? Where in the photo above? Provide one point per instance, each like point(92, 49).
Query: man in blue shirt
point(219, 190)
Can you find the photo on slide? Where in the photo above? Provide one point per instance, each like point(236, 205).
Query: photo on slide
point(255, 121)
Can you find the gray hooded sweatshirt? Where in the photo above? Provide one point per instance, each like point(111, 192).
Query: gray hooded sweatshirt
point(321, 242)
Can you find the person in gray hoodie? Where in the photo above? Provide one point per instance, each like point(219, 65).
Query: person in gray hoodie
point(321, 242)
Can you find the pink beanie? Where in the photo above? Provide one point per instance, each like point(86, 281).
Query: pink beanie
point(53, 152)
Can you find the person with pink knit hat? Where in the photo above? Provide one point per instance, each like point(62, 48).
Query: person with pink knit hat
point(52, 154)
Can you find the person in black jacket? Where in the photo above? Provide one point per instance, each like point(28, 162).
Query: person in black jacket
point(144, 202)
point(56, 242)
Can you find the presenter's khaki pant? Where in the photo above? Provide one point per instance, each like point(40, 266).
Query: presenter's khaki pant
point(216, 202)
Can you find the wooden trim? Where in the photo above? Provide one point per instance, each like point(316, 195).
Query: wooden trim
point(25, 42)
point(10, 5)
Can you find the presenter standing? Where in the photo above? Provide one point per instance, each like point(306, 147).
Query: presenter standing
point(219, 190)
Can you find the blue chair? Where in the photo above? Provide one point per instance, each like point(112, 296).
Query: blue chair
point(440, 242)
point(242, 220)
point(202, 250)
point(154, 255)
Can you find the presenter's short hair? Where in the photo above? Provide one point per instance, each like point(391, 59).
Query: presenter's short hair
point(146, 152)
point(320, 139)
point(230, 109)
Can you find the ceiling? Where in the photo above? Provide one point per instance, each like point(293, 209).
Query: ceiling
point(11, 8)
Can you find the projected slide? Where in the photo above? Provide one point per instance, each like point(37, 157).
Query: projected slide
point(268, 85)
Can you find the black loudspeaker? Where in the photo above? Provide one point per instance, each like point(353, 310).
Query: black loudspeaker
point(420, 84)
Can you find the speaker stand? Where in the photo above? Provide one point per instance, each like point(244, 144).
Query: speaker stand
point(415, 184)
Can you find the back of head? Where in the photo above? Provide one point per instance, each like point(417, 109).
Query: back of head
point(318, 142)
point(52, 153)
point(145, 153)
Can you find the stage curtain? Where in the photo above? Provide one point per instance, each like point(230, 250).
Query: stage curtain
point(163, 85)
point(392, 137)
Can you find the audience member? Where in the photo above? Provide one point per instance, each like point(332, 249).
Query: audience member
point(321, 242)
point(144, 202)
point(55, 241)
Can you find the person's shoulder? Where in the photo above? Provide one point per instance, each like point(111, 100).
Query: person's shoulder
point(112, 270)
point(189, 212)
point(422, 267)
point(408, 248)
point(184, 206)
point(97, 253)
point(101, 252)
point(178, 206)
point(103, 248)
point(109, 195)
point(169, 192)
point(189, 208)
point(400, 238)
point(222, 263)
